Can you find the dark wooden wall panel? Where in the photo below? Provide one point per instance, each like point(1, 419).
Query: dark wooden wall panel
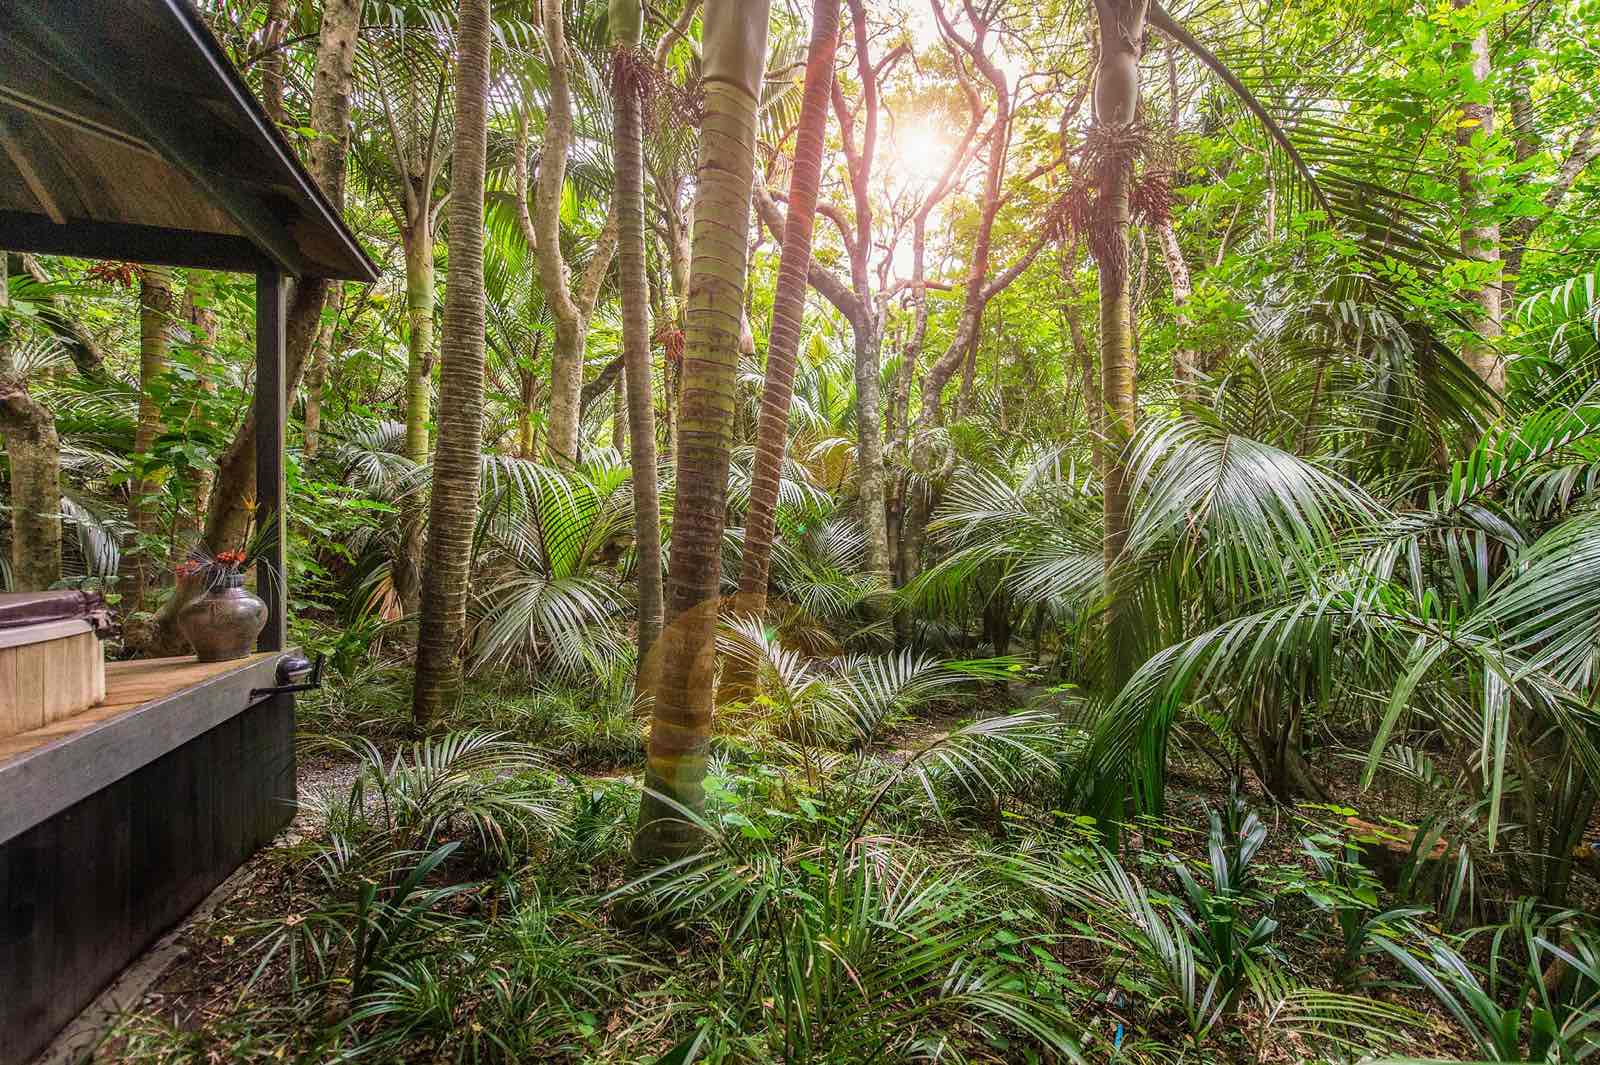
point(86, 891)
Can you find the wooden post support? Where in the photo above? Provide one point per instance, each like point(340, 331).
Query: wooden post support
point(272, 577)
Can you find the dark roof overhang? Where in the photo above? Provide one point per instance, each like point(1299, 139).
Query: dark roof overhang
point(127, 134)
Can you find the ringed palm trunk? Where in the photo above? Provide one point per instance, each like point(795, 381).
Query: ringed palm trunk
point(629, 66)
point(453, 510)
point(1116, 101)
point(735, 45)
point(28, 435)
point(788, 311)
point(155, 340)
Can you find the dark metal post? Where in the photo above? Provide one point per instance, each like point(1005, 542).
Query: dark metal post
point(272, 578)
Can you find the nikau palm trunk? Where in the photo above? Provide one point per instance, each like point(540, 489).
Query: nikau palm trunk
point(419, 338)
point(1116, 103)
point(453, 510)
point(627, 19)
point(735, 53)
point(788, 311)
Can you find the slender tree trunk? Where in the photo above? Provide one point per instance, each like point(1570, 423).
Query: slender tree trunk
point(869, 447)
point(528, 391)
point(419, 338)
point(406, 565)
point(788, 310)
point(619, 414)
point(1480, 232)
point(156, 320)
point(969, 378)
point(566, 359)
point(630, 66)
point(202, 319)
point(454, 505)
point(978, 292)
point(566, 387)
point(735, 44)
point(28, 435)
point(1093, 406)
point(1116, 102)
point(979, 289)
point(1185, 360)
point(274, 60)
point(1517, 232)
point(570, 309)
point(317, 374)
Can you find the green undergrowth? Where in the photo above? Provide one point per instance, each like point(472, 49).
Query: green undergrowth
point(888, 875)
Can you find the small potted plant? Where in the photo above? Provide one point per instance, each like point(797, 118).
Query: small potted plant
point(224, 619)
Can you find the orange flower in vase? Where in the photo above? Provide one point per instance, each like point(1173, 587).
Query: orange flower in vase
point(224, 619)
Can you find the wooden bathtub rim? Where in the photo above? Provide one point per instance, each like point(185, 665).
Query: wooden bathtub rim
point(42, 782)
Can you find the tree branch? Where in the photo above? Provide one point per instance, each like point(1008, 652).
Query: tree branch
point(830, 287)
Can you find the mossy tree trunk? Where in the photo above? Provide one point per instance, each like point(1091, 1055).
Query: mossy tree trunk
point(406, 565)
point(28, 435)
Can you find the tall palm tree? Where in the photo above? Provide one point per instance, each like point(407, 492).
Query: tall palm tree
point(457, 462)
point(734, 49)
point(1114, 138)
point(788, 308)
point(628, 68)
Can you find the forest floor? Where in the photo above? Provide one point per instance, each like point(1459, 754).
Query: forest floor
point(218, 970)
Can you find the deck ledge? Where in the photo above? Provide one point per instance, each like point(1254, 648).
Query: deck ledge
point(43, 782)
